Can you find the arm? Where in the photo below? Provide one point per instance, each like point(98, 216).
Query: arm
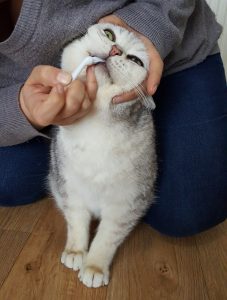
point(14, 126)
point(162, 22)
point(161, 26)
point(46, 98)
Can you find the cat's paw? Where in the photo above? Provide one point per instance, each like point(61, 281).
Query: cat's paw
point(93, 276)
point(72, 259)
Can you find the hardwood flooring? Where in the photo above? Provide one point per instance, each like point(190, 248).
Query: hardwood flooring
point(148, 266)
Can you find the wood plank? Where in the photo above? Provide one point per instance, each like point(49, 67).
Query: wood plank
point(212, 247)
point(152, 266)
point(42, 276)
point(136, 249)
point(147, 266)
point(22, 218)
point(192, 284)
point(11, 244)
point(51, 221)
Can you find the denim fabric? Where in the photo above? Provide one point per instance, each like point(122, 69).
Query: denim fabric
point(191, 125)
point(23, 172)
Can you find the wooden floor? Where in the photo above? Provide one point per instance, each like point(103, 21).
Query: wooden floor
point(148, 266)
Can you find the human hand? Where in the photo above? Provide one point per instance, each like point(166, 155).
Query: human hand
point(49, 97)
point(156, 64)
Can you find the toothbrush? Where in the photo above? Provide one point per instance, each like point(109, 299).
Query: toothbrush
point(87, 61)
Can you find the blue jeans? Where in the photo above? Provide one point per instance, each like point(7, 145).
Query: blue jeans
point(191, 125)
point(23, 172)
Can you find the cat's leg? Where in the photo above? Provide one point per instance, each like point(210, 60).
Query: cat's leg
point(78, 222)
point(110, 234)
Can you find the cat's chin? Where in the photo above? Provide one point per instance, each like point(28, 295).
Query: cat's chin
point(104, 69)
point(102, 74)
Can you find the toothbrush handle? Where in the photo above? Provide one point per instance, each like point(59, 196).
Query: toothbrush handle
point(86, 62)
point(77, 71)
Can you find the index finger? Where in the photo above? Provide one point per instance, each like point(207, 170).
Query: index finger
point(125, 97)
point(131, 95)
point(48, 76)
point(91, 83)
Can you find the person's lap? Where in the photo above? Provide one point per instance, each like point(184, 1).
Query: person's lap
point(191, 125)
point(23, 172)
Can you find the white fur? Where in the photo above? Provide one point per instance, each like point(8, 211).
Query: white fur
point(98, 156)
point(96, 43)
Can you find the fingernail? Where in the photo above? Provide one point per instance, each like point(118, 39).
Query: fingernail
point(116, 100)
point(64, 77)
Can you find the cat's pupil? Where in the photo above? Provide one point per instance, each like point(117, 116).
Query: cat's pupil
point(135, 59)
point(110, 34)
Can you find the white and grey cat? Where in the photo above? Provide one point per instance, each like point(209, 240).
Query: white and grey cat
point(104, 165)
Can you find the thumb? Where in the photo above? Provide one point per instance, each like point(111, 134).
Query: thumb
point(155, 73)
point(48, 76)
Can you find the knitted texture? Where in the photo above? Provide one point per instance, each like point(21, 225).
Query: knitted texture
point(184, 32)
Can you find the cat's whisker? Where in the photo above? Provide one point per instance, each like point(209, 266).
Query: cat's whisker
point(132, 84)
point(111, 177)
point(138, 88)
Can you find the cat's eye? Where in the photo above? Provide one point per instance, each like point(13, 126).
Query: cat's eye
point(135, 59)
point(110, 34)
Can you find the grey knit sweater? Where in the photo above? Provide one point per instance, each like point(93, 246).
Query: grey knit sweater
point(184, 32)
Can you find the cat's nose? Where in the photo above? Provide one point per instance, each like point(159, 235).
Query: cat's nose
point(115, 51)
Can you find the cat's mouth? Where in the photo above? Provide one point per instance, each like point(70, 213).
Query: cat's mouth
point(104, 66)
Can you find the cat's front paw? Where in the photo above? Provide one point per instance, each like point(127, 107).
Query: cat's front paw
point(93, 276)
point(72, 259)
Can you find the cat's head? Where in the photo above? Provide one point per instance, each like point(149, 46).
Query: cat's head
point(126, 58)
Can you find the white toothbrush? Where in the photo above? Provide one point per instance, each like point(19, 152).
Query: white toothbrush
point(87, 61)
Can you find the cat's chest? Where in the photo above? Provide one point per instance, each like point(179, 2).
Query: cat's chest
point(94, 149)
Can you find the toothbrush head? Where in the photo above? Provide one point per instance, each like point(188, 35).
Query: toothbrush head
point(88, 61)
point(97, 60)
point(91, 60)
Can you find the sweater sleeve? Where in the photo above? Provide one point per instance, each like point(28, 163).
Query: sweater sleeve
point(163, 22)
point(14, 127)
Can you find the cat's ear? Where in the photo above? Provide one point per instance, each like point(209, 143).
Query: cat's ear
point(148, 102)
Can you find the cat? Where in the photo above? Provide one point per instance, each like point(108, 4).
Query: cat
point(104, 166)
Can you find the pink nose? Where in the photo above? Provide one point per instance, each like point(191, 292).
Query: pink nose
point(115, 51)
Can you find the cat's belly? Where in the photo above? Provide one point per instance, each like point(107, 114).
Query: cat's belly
point(99, 166)
point(97, 152)
point(94, 185)
point(103, 163)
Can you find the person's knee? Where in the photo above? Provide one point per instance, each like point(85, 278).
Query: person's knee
point(21, 190)
point(175, 226)
point(23, 173)
point(185, 222)
point(178, 226)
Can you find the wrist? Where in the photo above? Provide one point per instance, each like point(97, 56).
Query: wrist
point(26, 112)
